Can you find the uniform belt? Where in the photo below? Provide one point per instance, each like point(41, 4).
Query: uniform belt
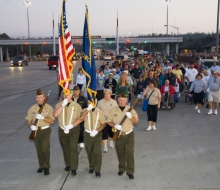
point(88, 131)
point(125, 133)
point(42, 128)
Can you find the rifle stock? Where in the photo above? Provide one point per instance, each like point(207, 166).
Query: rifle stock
point(33, 133)
point(116, 134)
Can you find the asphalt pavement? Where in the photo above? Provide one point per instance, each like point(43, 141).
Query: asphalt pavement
point(183, 153)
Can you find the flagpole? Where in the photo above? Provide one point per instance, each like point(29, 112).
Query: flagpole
point(117, 41)
point(54, 46)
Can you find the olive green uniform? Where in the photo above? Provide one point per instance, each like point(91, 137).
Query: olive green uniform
point(69, 142)
point(125, 144)
point(42, 138)
point(93, 145)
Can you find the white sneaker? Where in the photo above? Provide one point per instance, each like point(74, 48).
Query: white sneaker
point(149, 128)
point(215, 112)
point(154, 128)
point(196, 107)
point(210, 112)
point(198, 111)
point(81, 145)
point(111, 144)
point(105, 149)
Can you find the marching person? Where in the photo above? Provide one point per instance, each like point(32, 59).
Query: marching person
point(94, 122)
point(125, 144)
point(83, 102)
point(214, 91)
point(154, 97)
point(106, 104)
point(111, 84)
point(100, 81)
point(198, 87)
point(42, 138)
point(67, 112)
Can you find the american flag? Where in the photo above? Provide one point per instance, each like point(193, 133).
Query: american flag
point(66, 52)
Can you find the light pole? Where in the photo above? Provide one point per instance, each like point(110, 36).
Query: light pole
point(27, 3)
point(177, 28)
point(167, 1)
point(217, 29)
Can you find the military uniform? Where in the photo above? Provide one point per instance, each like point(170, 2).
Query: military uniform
point(42, 138)
point(69, 142)
point(125, 144)
point(93, 145)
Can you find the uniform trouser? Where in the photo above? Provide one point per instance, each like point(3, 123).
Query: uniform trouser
point(93, 146)
point(42, 143)
point(69, 144)
point(170, 99)
point(125, 152)
point(81, 139)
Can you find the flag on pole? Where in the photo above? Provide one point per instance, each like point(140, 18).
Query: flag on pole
point(66, 52)
point(88, 61)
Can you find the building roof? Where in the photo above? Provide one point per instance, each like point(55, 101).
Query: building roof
point(204, 42)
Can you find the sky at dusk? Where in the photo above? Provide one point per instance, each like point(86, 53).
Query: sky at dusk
point(135, 16)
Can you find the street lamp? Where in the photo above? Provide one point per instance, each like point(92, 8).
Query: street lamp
point(217, 28)
point(27, 3)
point(167, 1)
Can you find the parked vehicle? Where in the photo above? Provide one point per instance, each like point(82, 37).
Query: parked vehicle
point(20, 60)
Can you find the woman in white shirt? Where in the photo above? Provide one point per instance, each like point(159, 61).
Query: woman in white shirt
point(80, 79)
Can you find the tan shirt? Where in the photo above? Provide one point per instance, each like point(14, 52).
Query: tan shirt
point(116, 116)
point(106, 106)
point(153, 100)
point(73, 109)
point(97, 118)
point(47, 112)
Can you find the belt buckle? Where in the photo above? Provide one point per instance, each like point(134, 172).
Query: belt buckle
point(123, 133)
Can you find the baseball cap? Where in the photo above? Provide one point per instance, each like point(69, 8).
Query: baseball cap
point(113, 70)
point(169, 68)
point(110, 73)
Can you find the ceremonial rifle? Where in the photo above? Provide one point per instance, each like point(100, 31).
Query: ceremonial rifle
point(33, 133)
point(116, 134)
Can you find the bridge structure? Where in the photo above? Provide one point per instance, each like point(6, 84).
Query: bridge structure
point(21, 42)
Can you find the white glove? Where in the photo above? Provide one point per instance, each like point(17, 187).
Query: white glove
point(138, 96)
point(67, 128)
point(118, 127)
point(93, 133)
point(33, 128)
point(66, 131)
point(65, 102)
point(39, 116)
point(90, 107)
point(128, 114)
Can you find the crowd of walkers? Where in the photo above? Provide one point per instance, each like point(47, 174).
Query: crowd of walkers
point(165, 80)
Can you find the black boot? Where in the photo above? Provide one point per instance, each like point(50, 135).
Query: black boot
point(40, 170)
point(73, 173)
point(67, 168)
point(46, 171)
point(97, 174)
